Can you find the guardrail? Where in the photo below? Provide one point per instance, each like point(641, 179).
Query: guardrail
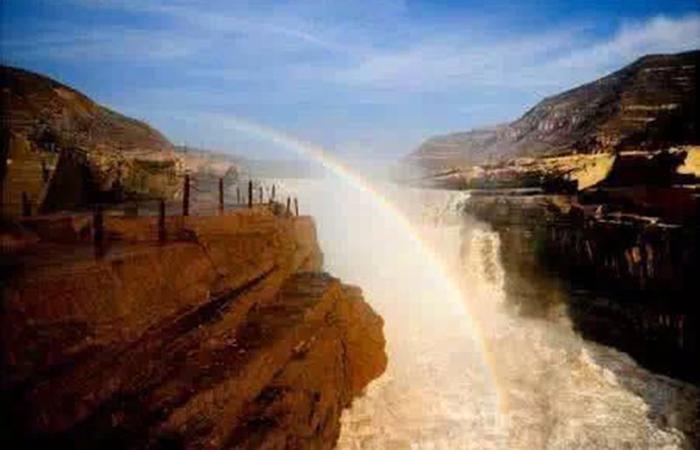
point(194, 201)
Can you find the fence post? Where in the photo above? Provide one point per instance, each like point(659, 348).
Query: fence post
point(272, 196)
point(260, 192)
point(296, 207)
point(26, 205)
point(161, 221)
point(238, 195)
point(288, 205)
point(250, 193)
point(221, 195)
point(186, 197)
point(98, 231)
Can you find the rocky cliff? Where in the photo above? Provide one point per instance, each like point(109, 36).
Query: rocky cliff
point(597, 190)
point(64, 150)
point(228, 335)
point(649, 105)
point(630, 280)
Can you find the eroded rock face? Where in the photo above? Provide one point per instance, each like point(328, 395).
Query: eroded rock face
point(631, 279)
point(227, 336)
point(648, 105)
point(51, 130)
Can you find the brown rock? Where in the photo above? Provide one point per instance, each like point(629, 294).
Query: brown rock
point(229, 338)
point(650, 104)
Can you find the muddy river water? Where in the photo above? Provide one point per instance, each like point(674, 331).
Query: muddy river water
point(466, 368)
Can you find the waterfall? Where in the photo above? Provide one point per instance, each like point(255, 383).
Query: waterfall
point(481, 260)
point(535, 384)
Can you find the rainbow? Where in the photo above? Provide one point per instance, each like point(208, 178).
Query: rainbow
point(435, 263)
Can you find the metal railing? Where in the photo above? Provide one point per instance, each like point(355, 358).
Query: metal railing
point(170, 224)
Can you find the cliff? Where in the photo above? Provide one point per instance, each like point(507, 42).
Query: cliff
point(64, 150)
point(228, 335)
point(630, 279)
point(651, 104)
point(595, 192)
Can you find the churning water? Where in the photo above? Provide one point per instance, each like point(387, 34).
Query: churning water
point(465, 371)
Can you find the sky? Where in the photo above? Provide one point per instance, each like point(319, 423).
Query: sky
point(364, 79)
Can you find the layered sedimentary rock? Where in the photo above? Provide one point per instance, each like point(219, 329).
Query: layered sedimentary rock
point(630, 279)
point(651, 104)
point(228, 335)
point(62, 149)
point(597, 189)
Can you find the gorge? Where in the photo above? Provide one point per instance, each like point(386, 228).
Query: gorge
point(538, 295)
point(130, 320)
point(600, 187)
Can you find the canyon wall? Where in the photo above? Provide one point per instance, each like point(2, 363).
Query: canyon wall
point(228, 335)
point(595, 194)
point(651, 104)
point(628, 280)
point(63, 150)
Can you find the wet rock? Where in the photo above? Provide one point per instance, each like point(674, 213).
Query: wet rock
point(638, 272)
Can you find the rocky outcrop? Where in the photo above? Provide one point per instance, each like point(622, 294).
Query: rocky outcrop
point(50, 130)
point(596, 190)
point(207, 167)
point(630, 279)
point(651, 104)
point(226, 336)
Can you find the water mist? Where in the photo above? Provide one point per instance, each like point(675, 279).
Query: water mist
point(464, 372)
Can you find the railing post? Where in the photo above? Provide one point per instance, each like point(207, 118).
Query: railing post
point(250, 193)
point(186, 197)
point(161, 221)
point(296, 207)
point(26, 205)
point(98, 232)
point(221, 195)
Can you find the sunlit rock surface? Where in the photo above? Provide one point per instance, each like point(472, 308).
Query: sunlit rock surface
point(65, 151)
point(226, 336)
point(648, 105)
point(598, 186)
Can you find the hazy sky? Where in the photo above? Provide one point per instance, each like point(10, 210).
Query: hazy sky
point(360, 78)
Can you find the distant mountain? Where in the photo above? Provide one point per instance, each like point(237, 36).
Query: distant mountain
point(648, 105)
point(62, 149)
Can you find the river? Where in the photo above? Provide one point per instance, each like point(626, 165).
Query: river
point(466, 369)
